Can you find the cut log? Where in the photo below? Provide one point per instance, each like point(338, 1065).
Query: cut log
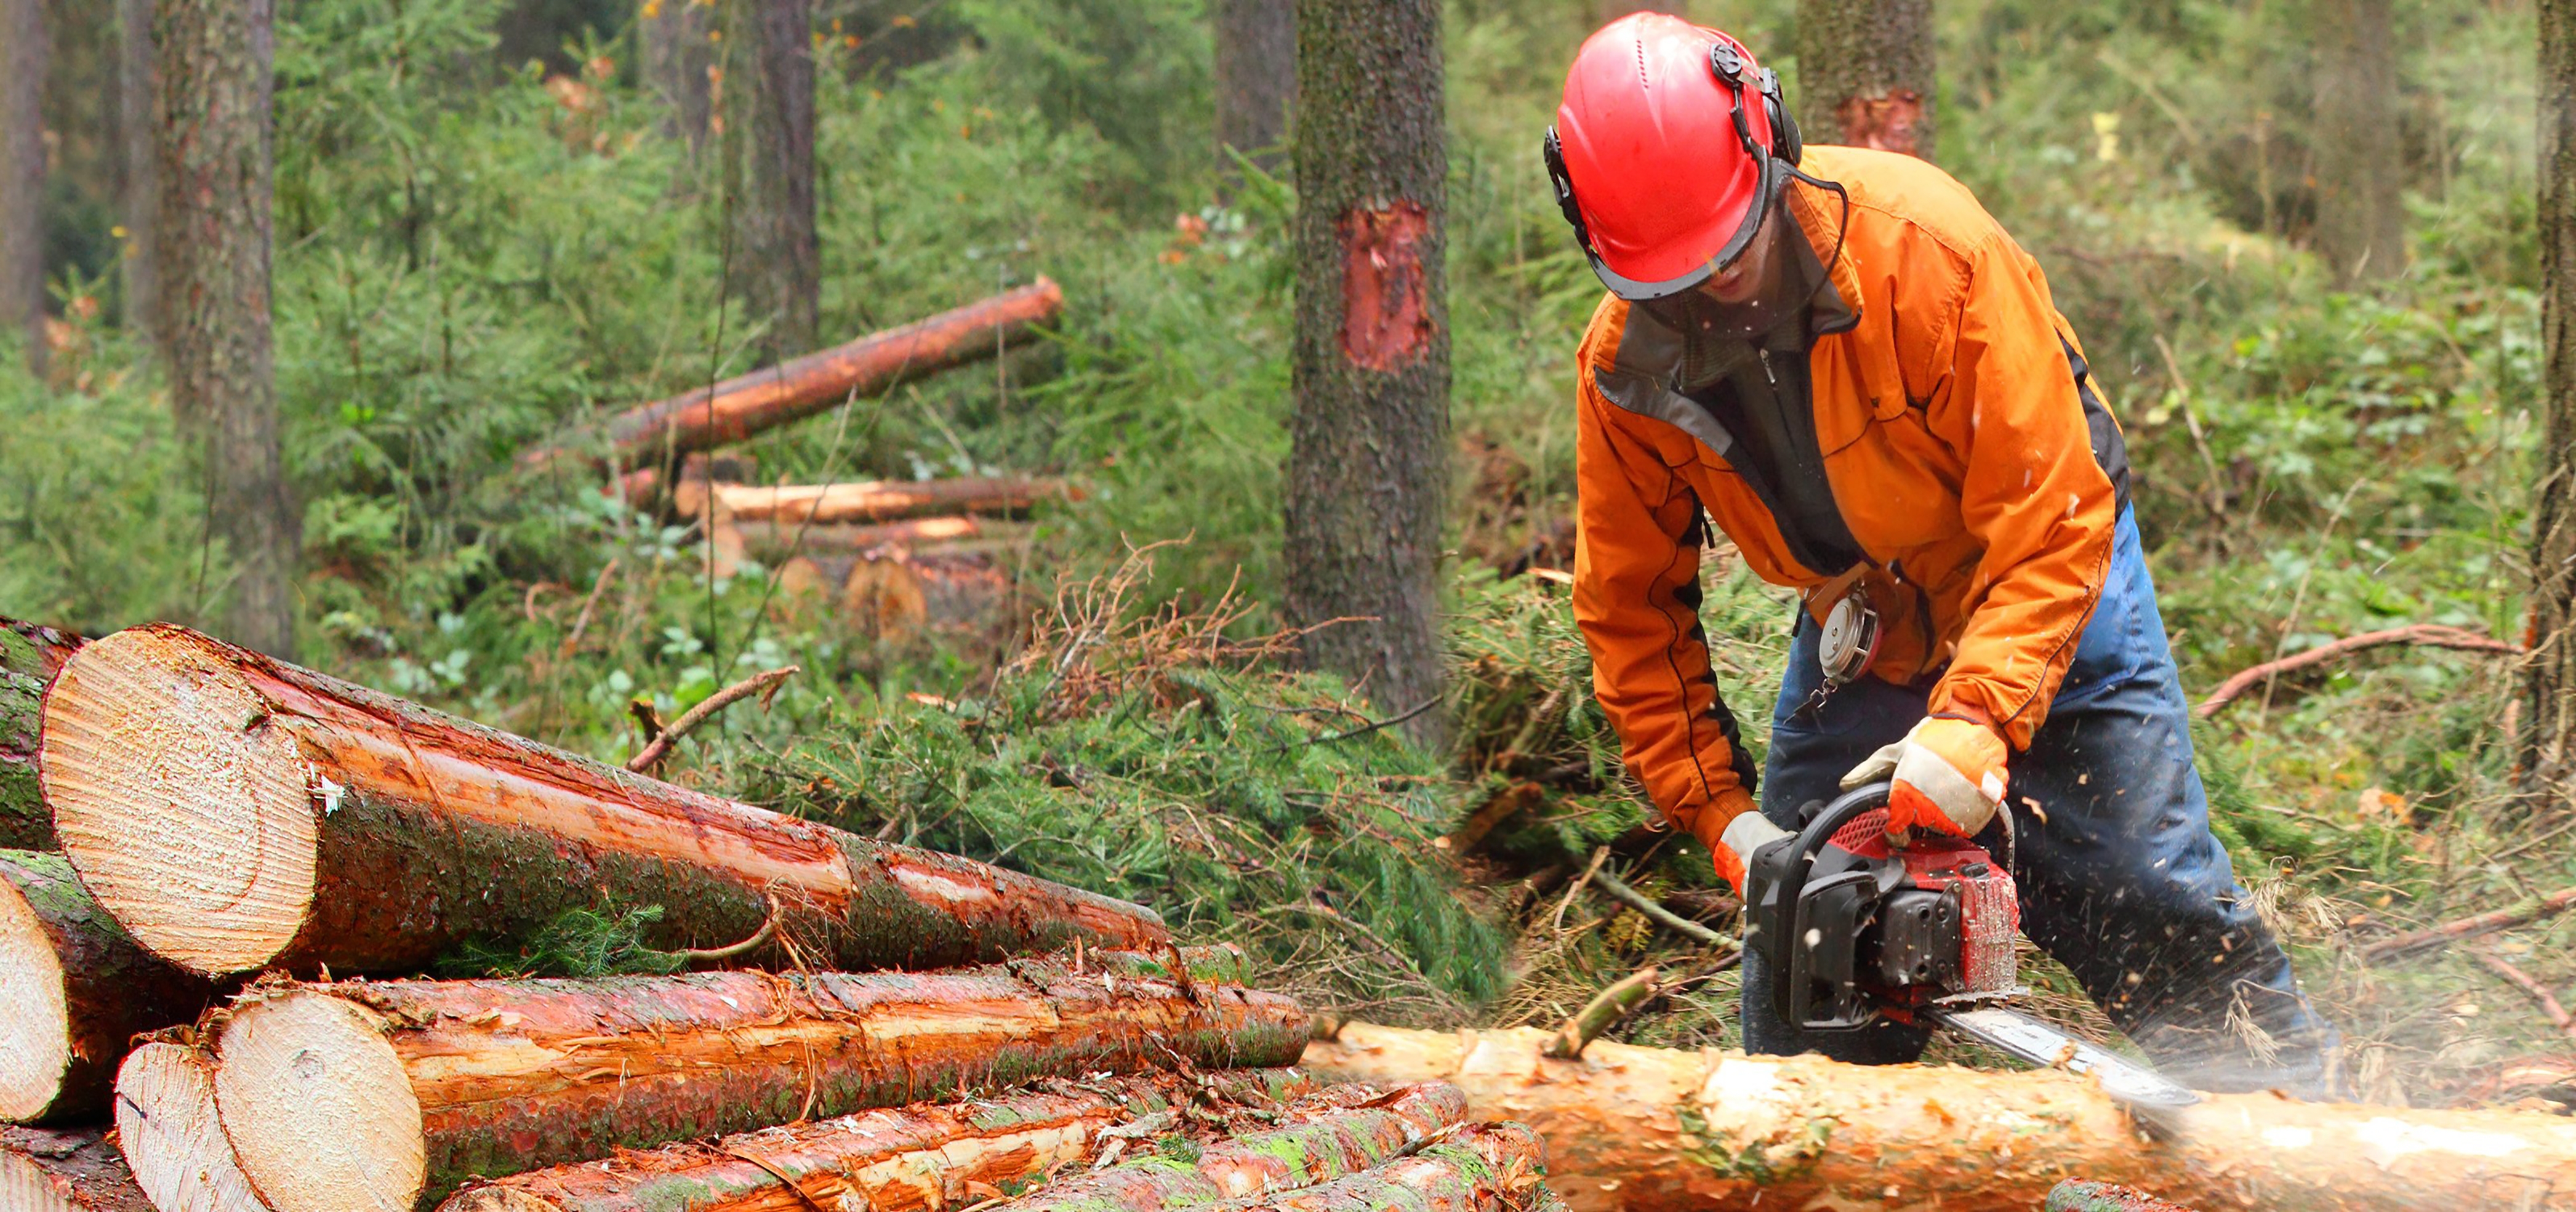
point(1652, 1130)
point(740, 407)
point(772, 540)
point(30, 656)
point(386, 1095)
point(74, 989)
point(75, 1170)
point(1478, 1168)
point(880, 500)
point(909, 1159)
point(236, 812)
point(949, 592)
point(170, 1133)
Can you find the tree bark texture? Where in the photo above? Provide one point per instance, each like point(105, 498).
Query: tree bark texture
point(30, 656)
point(777, 256)
point(380, 1095)
point(74, 989)
point(1368, 466)
point(2548, 746)
point(215, 61)
point(2361, 152)
point(1256, 78)
point(172, 1138)
point(68, 1170)
point(1477, 1168)
point(1865, 74)
point(24, 50)
point(677, 55)
point(738, 408)
point(139, 193)
point(237, 812)
point(1653, 1130)
point(920, 1158)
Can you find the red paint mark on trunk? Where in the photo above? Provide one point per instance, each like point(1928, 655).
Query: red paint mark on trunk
point(1385, 318)
point(1885, 122)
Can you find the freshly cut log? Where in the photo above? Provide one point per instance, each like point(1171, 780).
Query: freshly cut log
point(236, 812)
point(777, 539)
point(740, 407)
point(910, 1159)
point(73, 990)
point(74, 1170)
point(168, 1128)
point(1652, 1130)
point(1478, 1168)
point(898, 597)
point(30, 656)
point(386, 1095)
point(879, 500)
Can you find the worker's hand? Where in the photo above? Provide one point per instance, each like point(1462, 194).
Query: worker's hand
point(1733, 830)
point(1949, 776)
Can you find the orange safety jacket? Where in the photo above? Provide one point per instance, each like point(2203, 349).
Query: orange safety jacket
point(1976, 471)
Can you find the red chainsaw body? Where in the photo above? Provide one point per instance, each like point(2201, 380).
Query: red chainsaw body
point(1953, 870)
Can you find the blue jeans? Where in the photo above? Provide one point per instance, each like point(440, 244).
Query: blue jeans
point(2120, 877)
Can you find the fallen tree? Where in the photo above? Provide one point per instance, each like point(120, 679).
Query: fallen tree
point(774, 540)
point(738, 408)
point(170, 1133)
point(235, 812)
point(73, 990)
point(1653, 1130)
point(875, 500)
point(30, 656)
point(65, 1171)
point(391, 1094)
point(908, 1159)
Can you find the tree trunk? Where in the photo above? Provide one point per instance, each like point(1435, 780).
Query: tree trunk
point(65, 1171)
point(168, 1128)
point(74, 989)
point(213, 238)
point(387, 1095)
point(1256, 79)
point(677, 55)
point(236, 812)
point(30, 656)
point(2548, 748)
point(1653, 1130)
point(1368, 467)
point(777, 257)
point(740, 407)
point(2361, 158)
point(1478, 1168)
point(910, 1159)
point(139, 193)
point(1865, 76)
point(23, 53)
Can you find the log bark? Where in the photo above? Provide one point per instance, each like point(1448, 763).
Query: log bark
point(912, 1159)
point(24, 50)
point(236, 812)
point(1479, 1168)
point(171, 1135)
point(2546, 754)
point(74, 989)
point(390, 1095)
point(1652, 1130)
point(764, 399)
point(76, 1170)
point(778, 258)
point(30, 656)
point(877, 500)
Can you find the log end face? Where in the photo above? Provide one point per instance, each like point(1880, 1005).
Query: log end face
point(25, 1187)
point(166, 1125)
point(182, 798)
point(35, 1017)
point(318, 1107)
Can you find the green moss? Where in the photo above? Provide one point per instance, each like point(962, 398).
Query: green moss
point(1760, 1162)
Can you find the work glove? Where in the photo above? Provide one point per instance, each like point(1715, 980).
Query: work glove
point(1949, 776)
point(1733, 839)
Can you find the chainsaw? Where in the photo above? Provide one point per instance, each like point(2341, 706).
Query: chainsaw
point(1858, 927)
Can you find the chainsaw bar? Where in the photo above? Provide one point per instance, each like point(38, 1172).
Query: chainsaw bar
point(2132, 1084)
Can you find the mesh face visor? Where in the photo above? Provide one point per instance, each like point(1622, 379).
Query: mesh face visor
point(1791, 276)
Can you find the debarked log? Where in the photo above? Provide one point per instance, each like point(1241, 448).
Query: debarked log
point(386, 1095)
point(878, 500)
point(74, 990)
point(30, 656)
point(67, 1170)
point(1655, 1130)
point(236, 812)
point(919, 1158)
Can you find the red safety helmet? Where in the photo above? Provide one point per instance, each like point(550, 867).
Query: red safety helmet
point(1667, 151)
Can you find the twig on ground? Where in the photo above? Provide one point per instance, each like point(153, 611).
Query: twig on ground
point(1606, 1009)
point(765, 684)
point(1375, 725)
point(2431, 635)
point(1600, 855)
point(1507, 803)
point(1655, 913)
point(581, 622)
point(2469, 927)
point(2558, 1016)
point(712, 955)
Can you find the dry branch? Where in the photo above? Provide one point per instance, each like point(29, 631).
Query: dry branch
point(2398, 945)
point(73, 990)
point(30, 656)
point(1602, 1013)
point(77, 1170)
point(2540, 994)
point(2430, 635)
point(764, 683)
point(386, 1095)
point(1619, 891)
point(740, 407)
point(1652, 1130)
point(237, 812)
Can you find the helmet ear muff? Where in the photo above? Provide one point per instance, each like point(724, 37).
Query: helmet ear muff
point(1786, 143)
point(1563, 182)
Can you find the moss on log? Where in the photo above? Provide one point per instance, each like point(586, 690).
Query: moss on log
point(30, 655)
point(73, 990)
